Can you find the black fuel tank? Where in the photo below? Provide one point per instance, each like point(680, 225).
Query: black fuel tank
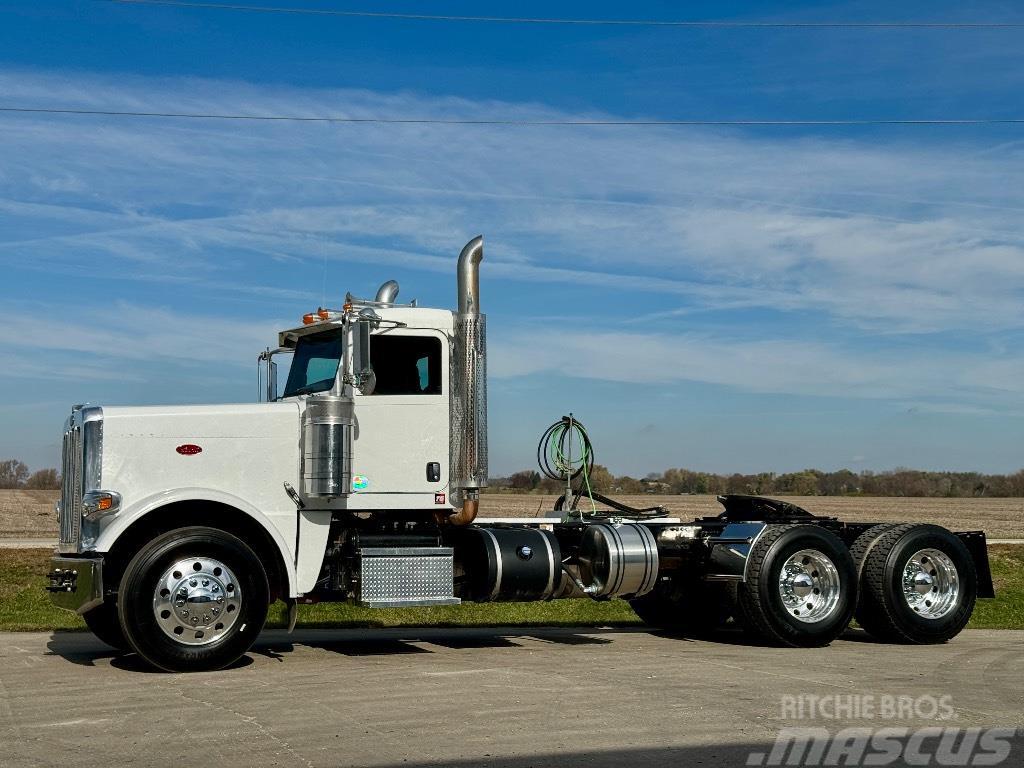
point(509, 564)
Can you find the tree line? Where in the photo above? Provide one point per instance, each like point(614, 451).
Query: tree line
point(809, 482)
point(15, 474)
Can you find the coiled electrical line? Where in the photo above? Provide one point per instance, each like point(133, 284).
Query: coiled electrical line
point(557, 455)
point(565, 453)
point(560, 459)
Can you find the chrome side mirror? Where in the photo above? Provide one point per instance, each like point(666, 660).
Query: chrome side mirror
point(272, 382)
point(268, 388)
point(362, 369)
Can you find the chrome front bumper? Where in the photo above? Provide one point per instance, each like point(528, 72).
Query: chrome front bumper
point(76, 583)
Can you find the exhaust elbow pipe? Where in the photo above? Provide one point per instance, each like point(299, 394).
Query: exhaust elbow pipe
point(466, 515)
point(469, 276)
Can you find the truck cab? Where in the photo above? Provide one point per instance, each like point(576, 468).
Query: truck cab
point(400, 445)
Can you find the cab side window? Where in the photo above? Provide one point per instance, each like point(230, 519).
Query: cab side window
point(406, 365)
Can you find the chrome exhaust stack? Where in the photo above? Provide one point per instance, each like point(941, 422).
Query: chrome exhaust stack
point(468, 438)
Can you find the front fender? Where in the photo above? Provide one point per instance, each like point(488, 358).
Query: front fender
point(281, 529)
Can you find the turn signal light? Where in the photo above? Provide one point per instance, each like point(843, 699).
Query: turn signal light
point(95, 504)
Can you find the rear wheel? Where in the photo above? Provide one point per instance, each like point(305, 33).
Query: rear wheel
point(801, 586)
point(918, 585)
point(103, 622)
point(193, 599)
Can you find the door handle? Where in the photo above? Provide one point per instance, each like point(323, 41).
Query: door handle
point(433, 471)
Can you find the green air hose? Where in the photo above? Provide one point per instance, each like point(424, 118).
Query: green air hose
point(558, 462)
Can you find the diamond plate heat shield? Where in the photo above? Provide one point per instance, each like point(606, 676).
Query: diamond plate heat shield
point(396, 577)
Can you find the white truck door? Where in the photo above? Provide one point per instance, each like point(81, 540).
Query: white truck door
point(401, 435)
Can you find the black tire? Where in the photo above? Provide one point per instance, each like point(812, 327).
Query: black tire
point(865, 543)
point(691, 608)
point(885, 612)
point(104, 622)
point(760, 602)
point(141, 582)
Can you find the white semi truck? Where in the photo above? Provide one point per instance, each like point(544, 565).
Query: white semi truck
point(361, 481)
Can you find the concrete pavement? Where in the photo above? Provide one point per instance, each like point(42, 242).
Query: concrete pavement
point(514, 697)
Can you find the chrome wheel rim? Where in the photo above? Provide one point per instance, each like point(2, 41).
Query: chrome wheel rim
point(931, 584)
point(809, 586)
point(197, 601)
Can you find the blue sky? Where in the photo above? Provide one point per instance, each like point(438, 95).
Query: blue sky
point(720, 298)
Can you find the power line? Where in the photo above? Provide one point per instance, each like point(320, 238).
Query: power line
point(510, 121)
point(711, 24)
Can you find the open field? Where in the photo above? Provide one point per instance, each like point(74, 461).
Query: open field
point(29, 514)
point(25, 605)
point(999, 518)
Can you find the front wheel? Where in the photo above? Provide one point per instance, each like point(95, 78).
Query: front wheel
point(800, 588)
point(193, 599)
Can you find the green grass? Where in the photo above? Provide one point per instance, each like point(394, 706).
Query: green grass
point(1006, 611)
point(565, 613)
point(25, 604)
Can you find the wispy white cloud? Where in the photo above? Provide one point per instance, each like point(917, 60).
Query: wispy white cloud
point(121, 331)
point(779, 366)
point(850, 238)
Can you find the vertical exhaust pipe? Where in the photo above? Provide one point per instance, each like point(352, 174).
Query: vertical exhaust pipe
point(468, 438)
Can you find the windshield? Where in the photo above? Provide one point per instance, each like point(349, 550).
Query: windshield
point(315, 363)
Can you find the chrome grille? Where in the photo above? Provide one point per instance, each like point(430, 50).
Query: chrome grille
point(71, 484)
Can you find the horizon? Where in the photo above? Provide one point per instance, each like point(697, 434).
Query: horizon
point(658, 473)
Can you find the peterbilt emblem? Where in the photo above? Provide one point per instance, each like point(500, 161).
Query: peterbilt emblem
point(189, 449)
